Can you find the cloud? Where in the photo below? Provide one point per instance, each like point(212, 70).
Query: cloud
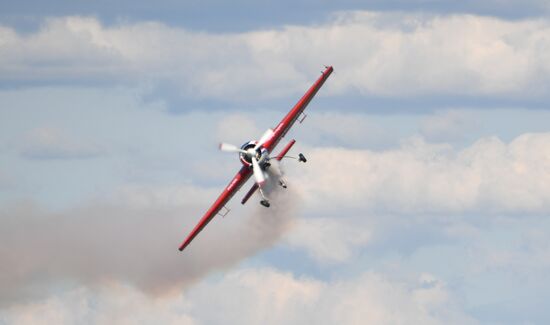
point(237, 129)
point(114, 304)
point(243, 15)
point(131, 239)
point(328, 240)
point(266, 296)
point(490, 177)
point(382, 54)
point(417, 196)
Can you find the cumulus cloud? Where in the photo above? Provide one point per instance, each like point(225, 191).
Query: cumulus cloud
point(386, 54)
point(131, 239)
point(114, 304)
point(266, 296)
point(414, 196)
point(328, 240)
point(489, 177)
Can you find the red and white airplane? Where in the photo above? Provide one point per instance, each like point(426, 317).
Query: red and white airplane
point(255, 158)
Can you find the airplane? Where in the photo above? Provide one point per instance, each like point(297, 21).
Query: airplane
point(254, 155)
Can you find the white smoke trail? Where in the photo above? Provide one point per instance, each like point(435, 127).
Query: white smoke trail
point(102, 243)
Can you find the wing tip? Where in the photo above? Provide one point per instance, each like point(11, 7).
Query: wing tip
point(183, 245)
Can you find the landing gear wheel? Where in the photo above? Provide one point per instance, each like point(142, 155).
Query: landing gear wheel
point(302, 158)
point(265, 203)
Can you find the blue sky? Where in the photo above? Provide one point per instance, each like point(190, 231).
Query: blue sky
point(424, 199)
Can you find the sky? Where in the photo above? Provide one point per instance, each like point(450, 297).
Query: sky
point(424, 200)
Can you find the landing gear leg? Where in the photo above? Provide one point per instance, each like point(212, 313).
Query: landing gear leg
point(265, 201)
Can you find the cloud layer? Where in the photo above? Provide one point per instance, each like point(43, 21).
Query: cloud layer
point(382, 54)
point(266, 296)
point(489, 177)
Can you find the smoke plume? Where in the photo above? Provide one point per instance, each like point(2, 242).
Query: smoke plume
point(101, 243)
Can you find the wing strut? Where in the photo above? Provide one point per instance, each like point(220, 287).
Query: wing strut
point(225, 212)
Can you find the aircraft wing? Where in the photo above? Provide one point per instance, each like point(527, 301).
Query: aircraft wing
point(287, 122)
point(242, 176)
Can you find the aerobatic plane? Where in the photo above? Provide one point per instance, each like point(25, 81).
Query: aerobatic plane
point(255, 157)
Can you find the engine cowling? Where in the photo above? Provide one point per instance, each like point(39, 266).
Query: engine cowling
point(261, 153)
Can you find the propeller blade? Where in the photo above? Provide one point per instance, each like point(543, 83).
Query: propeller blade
point(267, 135)
point(258, 173)
point(230, 148)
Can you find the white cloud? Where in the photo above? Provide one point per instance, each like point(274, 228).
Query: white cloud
point(489, 177)
point(237, 129)
point(402, 199)
point(328, 240)
point(115, 304)
point(389, 54)
point(259, 296)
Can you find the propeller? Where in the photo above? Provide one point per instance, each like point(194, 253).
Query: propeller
point(259, 175)
point(230, 148)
